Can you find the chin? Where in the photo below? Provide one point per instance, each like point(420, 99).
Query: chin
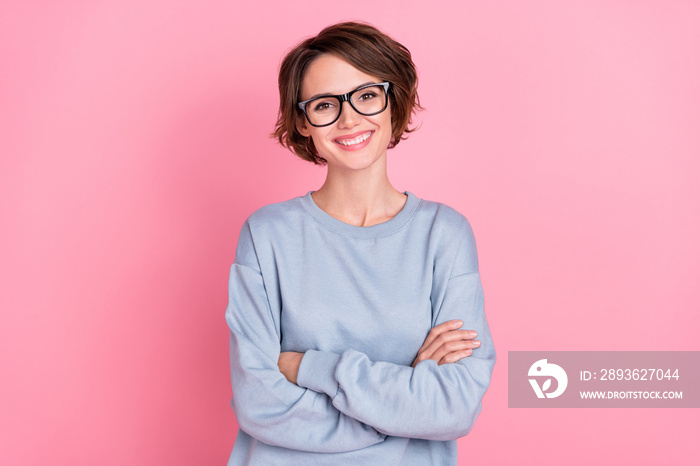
point(354, 163)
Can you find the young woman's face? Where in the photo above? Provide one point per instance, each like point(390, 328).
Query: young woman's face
point(354, 141)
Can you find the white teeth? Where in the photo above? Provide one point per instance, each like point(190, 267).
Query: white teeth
point(357, 140)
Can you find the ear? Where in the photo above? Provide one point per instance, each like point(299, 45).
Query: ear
point(303, 126)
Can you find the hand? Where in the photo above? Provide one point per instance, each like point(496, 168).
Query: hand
point(288, 363)
point(447, 343)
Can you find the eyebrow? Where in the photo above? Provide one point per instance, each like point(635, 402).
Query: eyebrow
point(328, 94)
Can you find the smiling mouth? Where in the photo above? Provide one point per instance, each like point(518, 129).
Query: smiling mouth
point(356, 140)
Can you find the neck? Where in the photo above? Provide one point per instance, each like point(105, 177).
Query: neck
point(359, 197)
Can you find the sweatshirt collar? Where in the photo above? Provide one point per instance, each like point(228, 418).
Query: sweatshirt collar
point(389, 227)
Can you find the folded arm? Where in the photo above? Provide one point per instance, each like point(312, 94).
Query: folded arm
point(430, 401)
point(267, 406)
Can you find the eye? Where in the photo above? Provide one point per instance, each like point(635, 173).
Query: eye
point(323, 105)
point(367, 95)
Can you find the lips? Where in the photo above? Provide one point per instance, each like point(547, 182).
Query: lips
point(355, 139)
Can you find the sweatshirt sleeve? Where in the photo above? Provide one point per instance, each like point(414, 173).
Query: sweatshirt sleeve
point(429, 401)
point(267, 406)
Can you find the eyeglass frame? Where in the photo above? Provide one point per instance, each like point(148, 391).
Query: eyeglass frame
point(347, 98)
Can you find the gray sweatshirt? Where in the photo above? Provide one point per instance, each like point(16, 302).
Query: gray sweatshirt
point(359, 302)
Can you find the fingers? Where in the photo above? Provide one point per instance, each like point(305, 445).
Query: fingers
point(449, 352)
point(439, 329)
point(288, 364)
point(447, 337)
point(454, 352)
point(459, 346)
point(446, 342)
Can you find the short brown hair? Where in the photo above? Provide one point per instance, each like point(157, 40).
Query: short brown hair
point(367, 49)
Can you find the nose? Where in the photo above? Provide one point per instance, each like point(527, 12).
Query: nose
point(349, 117)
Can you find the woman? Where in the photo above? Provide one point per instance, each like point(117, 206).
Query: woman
point(347, 305)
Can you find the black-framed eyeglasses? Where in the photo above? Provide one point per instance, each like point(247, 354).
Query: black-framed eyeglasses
point(367, 100)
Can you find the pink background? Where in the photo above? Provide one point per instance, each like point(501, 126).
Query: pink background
point(134, 143)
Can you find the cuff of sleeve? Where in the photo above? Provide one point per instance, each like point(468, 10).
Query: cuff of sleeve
point(317, 372)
